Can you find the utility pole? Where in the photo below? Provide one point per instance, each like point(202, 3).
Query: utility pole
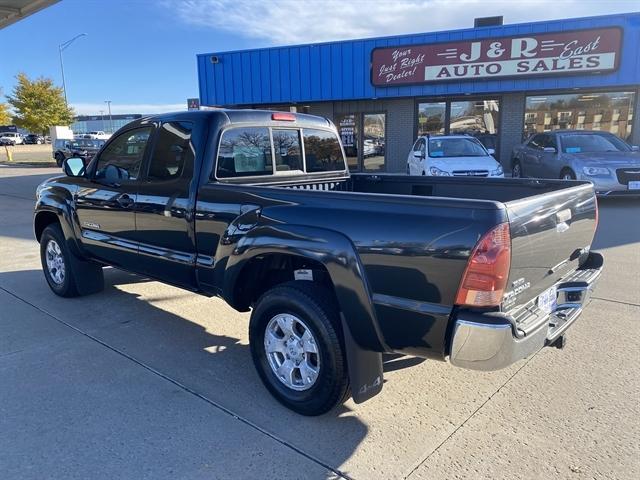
point(61, 48)
point(108, 102)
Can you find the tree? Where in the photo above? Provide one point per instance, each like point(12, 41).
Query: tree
point(38, 104)
point(5, 117)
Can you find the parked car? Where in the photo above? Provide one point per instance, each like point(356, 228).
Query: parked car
point(34, 139)
point(82, 148)
point(11, 138)
point(335, 268)
point(97, 135)
point(602, 158)
point(452, 156)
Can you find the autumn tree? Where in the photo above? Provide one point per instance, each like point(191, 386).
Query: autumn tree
point(5, 117)
point(38, 104)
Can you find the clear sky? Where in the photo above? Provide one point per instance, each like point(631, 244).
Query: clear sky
point(141, 54)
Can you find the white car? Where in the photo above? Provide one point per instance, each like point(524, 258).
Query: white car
point(452, 156)
point(11, 138)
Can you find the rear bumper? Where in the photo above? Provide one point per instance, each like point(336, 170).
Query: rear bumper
point(491, 341)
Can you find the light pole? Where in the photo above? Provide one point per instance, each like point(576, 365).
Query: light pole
point(108, 102)
point(62, 47)
point(102, 118)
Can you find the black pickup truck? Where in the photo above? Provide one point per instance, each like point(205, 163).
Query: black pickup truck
point(259, 208)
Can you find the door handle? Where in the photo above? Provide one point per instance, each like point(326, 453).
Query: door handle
point(124, 200)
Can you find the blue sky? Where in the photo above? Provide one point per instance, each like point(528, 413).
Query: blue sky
point(141, 54)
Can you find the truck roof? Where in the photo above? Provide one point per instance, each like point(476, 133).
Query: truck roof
point(240, 116)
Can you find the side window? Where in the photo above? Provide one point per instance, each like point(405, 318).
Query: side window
point(416, 146)
point(286, 145)
point(322, 151)
point(537, 142)
point(121, 159)
point(550, 141)
point(245, 152)
point(173, 152)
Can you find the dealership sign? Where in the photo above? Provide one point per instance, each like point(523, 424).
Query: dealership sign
point(560, 53)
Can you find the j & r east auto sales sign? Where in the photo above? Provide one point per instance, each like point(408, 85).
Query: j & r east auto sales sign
point(581, 51)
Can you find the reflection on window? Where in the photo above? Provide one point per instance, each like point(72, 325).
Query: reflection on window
point(286, 144)
point(173, 152)
point(373, 147)
point(322, 151)
point(245, 152)
point(608, 112)
point(431, 118)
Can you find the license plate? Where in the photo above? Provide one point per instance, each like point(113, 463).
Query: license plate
point(547, 300)
point(634, 185)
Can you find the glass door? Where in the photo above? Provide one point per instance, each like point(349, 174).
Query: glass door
point(373, 144)
point(348, 131)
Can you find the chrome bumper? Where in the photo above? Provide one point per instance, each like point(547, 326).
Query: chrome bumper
point(491, 341)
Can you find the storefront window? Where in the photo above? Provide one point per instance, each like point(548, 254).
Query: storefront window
point(609, 112)
point(373, 146)
point(431, 118)
point(348, 131)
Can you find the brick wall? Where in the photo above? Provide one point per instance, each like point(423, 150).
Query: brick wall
point(511, 126)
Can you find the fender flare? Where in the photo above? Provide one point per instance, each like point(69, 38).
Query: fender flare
point(333, 250)
point(60, 205)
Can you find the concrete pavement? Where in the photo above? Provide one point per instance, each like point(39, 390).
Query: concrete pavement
point(149, 381)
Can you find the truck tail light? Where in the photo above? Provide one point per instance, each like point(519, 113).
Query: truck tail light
point(485, 277)
point(287, 117)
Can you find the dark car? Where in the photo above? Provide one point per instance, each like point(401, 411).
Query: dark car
point(83, 148)
point(259, 208)
point(34, 139)
point(607, 161)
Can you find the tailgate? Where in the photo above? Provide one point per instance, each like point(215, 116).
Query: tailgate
point(551, 235)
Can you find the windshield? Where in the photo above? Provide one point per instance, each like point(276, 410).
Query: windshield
point(455, 147)
point(592, 143)
point(86, 144)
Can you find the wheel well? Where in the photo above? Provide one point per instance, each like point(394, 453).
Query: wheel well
point(266, 271)
point(42, 220)
point(514, 160)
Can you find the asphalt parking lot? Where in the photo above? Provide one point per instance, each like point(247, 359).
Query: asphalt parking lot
point(148, 381)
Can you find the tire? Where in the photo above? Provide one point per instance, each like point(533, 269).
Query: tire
point(516, 170)
point(59, 158)
point(56, 262)
point(303, 305)
point(567, 174)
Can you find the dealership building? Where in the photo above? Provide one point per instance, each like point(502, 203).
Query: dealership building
point(500, 83)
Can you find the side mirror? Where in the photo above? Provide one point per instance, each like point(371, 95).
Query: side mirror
point(418, 154)
point(549, 150)
point(491, 151)
point(74, 167)
point(635, 148)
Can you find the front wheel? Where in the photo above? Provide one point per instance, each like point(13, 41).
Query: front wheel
point(296, 347)
point(56, 262)
point(516, 170)
point(567, 174)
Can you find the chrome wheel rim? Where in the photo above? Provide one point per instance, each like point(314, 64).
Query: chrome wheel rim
point(516, 171)
point(55, 262)
point(292, 352)
point(567, 176)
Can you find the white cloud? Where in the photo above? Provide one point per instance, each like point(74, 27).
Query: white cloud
point(281, 22)
point(117, 108)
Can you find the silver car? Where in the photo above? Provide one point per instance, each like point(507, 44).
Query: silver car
point(602, 158)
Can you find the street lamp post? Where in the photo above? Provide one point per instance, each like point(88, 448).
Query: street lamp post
point(61, 48)
point(108, 102)
point(102, 119)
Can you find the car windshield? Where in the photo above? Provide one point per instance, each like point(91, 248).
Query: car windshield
point(592, 143)
point(86, 144)
point(455, 147)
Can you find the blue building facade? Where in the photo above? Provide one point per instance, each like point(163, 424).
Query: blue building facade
point(499, 83)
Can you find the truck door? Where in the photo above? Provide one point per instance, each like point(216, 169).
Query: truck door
point(164, 207)
point(105, 204)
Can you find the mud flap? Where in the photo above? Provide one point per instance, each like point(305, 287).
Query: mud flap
point(88, 275)
point(365, 368)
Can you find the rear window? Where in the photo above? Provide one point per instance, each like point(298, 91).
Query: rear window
point(322, 151)
point(245, 152)
point(286, 145)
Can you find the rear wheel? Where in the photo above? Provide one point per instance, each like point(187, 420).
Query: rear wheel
point(297, 349)
point(59, 158)
point(516, 170)
point(567, 174)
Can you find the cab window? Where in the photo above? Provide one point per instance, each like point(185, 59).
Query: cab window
point(245, 152)
point(121, 159)
point(322, 151)
point(173, 152)
point(286, 145)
